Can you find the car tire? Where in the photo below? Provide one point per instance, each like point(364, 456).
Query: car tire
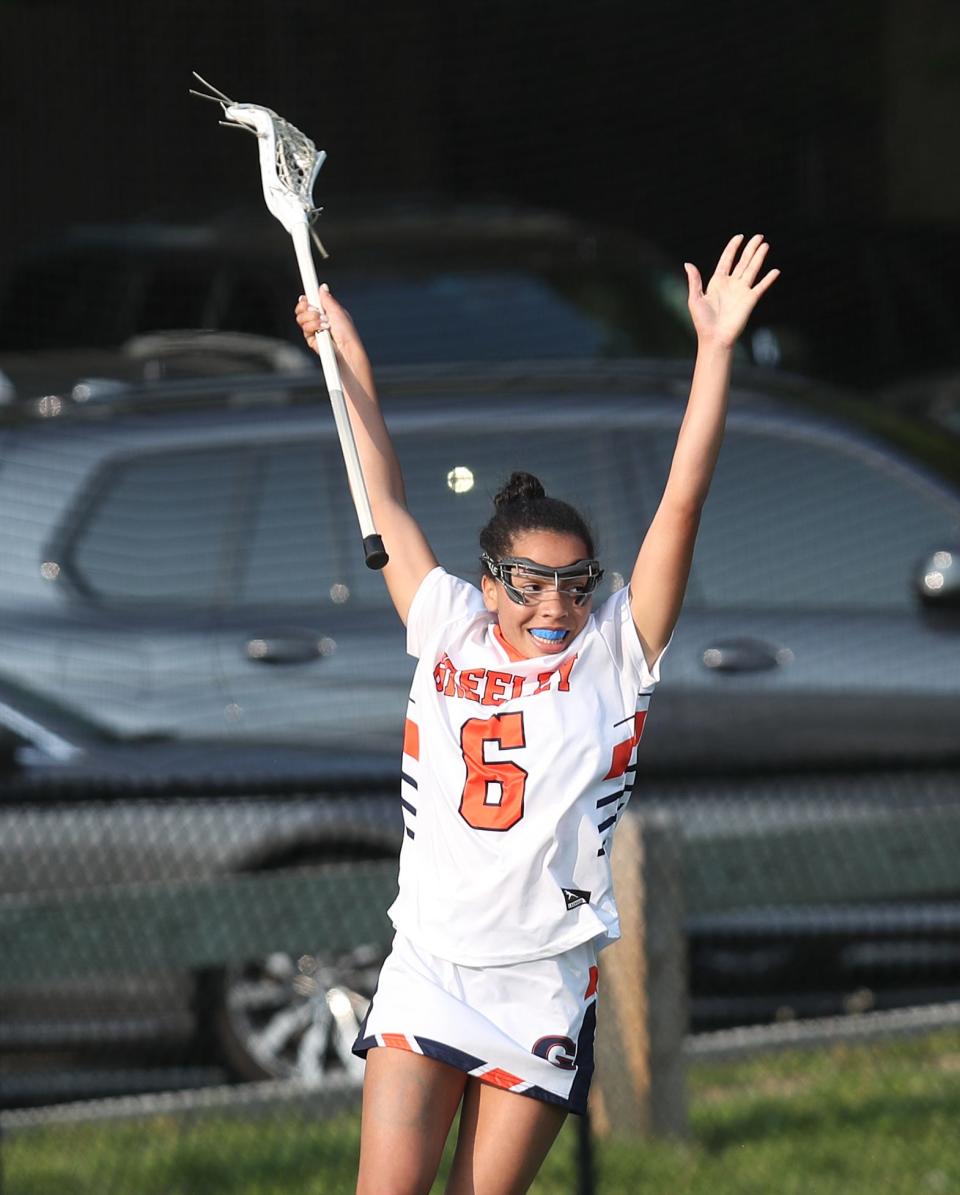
point(287, 1017)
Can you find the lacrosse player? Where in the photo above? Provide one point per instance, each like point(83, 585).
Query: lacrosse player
point(524, 721)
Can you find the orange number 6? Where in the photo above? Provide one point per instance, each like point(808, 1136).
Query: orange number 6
point(485, 779)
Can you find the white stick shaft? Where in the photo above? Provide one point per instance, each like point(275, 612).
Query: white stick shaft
point(328, 359)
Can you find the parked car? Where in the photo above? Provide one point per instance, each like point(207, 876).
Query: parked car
point(180, 562)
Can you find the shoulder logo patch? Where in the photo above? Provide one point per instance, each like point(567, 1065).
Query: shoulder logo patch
point(575, 897)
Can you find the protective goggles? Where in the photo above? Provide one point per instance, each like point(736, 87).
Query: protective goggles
point(528, 583)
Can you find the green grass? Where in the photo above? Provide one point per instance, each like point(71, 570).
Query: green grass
point(853, 1120)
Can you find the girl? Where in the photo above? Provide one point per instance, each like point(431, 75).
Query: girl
point(525, 713)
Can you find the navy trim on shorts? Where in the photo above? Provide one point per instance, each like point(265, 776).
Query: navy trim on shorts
point(362, 1045)
point(585, 1062)
point(576, 1102)
point(437, 1050)
point(449, 1054)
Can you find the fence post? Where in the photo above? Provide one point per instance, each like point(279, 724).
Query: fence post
point(642, 1021)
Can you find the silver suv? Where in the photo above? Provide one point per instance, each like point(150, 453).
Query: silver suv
point(179, 561)
point(182, 560)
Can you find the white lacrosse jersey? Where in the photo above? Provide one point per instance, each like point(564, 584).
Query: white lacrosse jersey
point(515, 774)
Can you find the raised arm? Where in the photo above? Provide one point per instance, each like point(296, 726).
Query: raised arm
point(719, 315)
point(410, 555)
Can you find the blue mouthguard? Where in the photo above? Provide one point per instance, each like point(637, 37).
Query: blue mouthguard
point(544, 633)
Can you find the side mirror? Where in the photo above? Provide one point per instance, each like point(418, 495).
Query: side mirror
point(937, 581)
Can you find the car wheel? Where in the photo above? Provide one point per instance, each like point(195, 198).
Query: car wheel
point(292, 1018)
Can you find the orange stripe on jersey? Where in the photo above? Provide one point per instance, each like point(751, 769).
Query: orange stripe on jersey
point(623, 751)
point(411, 739)
point(621, 757)
point(512, 653)
point(398, 1041)
point(592, 983)
point(499, 1078)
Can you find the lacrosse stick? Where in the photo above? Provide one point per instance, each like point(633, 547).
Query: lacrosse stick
point(289, 163)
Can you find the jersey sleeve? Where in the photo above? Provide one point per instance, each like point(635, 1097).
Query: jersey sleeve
point(440, 599)
point(616, 625)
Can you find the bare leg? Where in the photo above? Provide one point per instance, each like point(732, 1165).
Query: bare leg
point(503, 1141)
point(408, 1106)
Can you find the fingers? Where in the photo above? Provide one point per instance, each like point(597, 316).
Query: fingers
point(766, 282)
point(694, 282)
point(750, 262)
point(725, 264)
point(306, 314)
point(750, 268)
point(750, 251)
point(311, 321)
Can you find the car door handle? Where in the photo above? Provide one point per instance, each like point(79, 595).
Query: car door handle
point(286, 647)
point(744, 655)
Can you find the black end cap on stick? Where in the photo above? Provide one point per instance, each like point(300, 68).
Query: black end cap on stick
point(373, 551)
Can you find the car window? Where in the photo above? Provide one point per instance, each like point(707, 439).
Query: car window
point(296, 546)
point(469, 317)
point(475, 315)
point(452, 476)
point(798, 521)
point(793, 520)
point(412, 310)
point(162, 528)
point(304, 543)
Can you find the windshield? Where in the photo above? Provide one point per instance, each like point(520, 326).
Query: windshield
point(501, 315)
point(410, 308)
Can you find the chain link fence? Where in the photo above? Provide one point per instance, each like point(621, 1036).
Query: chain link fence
point(138, 1016)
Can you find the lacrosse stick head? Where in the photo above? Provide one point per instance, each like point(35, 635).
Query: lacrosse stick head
point(289, 162)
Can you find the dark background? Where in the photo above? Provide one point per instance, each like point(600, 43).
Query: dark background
point(830, 125)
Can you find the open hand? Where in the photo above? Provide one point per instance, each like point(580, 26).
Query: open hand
point(720, 312)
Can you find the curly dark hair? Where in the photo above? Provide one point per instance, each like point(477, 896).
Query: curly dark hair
point(521, 504)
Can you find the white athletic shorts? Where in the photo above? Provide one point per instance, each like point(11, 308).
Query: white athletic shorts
point(526, 1027)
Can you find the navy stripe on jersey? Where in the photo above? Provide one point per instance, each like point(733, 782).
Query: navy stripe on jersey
point(409, 768)
point(625, 791)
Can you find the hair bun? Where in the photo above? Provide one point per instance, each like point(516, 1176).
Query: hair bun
point(521, 487)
